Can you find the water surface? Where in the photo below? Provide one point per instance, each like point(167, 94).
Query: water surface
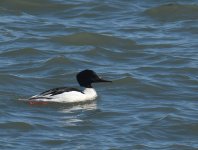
point(148, 49)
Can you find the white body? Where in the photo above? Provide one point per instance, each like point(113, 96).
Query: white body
point(68, 97)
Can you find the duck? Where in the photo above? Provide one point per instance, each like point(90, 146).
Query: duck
point(85, 79)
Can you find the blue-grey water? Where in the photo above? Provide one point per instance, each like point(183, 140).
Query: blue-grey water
point(148, 48)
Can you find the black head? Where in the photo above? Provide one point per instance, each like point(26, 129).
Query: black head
point(87, 77)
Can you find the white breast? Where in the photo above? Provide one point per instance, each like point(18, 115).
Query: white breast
point(90, 93)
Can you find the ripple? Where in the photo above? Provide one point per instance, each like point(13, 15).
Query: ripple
point(79, 125)
point(163, 70)
point(162, 109)
point(179, 78)
point(173, 12)
point(93, 39)
point(22, 52)
point(182, 146)
point(127, 80)
point(57, 60)
point(16, 125)
point(53, 142)
point(7, 77)
point(34, 7)
point(104, 114)
point(174, 61)
point(105, 7)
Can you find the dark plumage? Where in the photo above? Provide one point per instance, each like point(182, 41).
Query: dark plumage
point(59, 90)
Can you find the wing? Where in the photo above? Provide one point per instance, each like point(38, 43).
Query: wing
point(48, 95)
point(59, 90)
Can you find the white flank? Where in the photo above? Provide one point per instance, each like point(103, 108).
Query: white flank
point(69, 97)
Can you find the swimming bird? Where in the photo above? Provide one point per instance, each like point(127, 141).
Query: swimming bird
point(85, 79)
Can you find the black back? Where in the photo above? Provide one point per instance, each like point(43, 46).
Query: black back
point(59, 90)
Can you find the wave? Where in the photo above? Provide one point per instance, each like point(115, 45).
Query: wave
point(141, 86)
point(170, 69)
point(22, 52)
point(35, 6)
point(42, 68)
point(93, 39)
point(16, 125)
point(53, 142)
point(7, 77)
point(173, 12)
point(57, 61)
point(163, 109)
point(127, 80)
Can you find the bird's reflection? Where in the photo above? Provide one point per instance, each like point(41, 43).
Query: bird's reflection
point(79, 107)
point(78, 115)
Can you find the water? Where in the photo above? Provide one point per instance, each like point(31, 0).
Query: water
point(148, 49)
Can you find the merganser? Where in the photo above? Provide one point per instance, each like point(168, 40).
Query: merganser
point(69, 95)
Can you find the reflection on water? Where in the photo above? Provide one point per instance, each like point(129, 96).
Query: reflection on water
point(79, 107)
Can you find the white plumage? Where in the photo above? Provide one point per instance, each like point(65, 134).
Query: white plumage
point(68, 97)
